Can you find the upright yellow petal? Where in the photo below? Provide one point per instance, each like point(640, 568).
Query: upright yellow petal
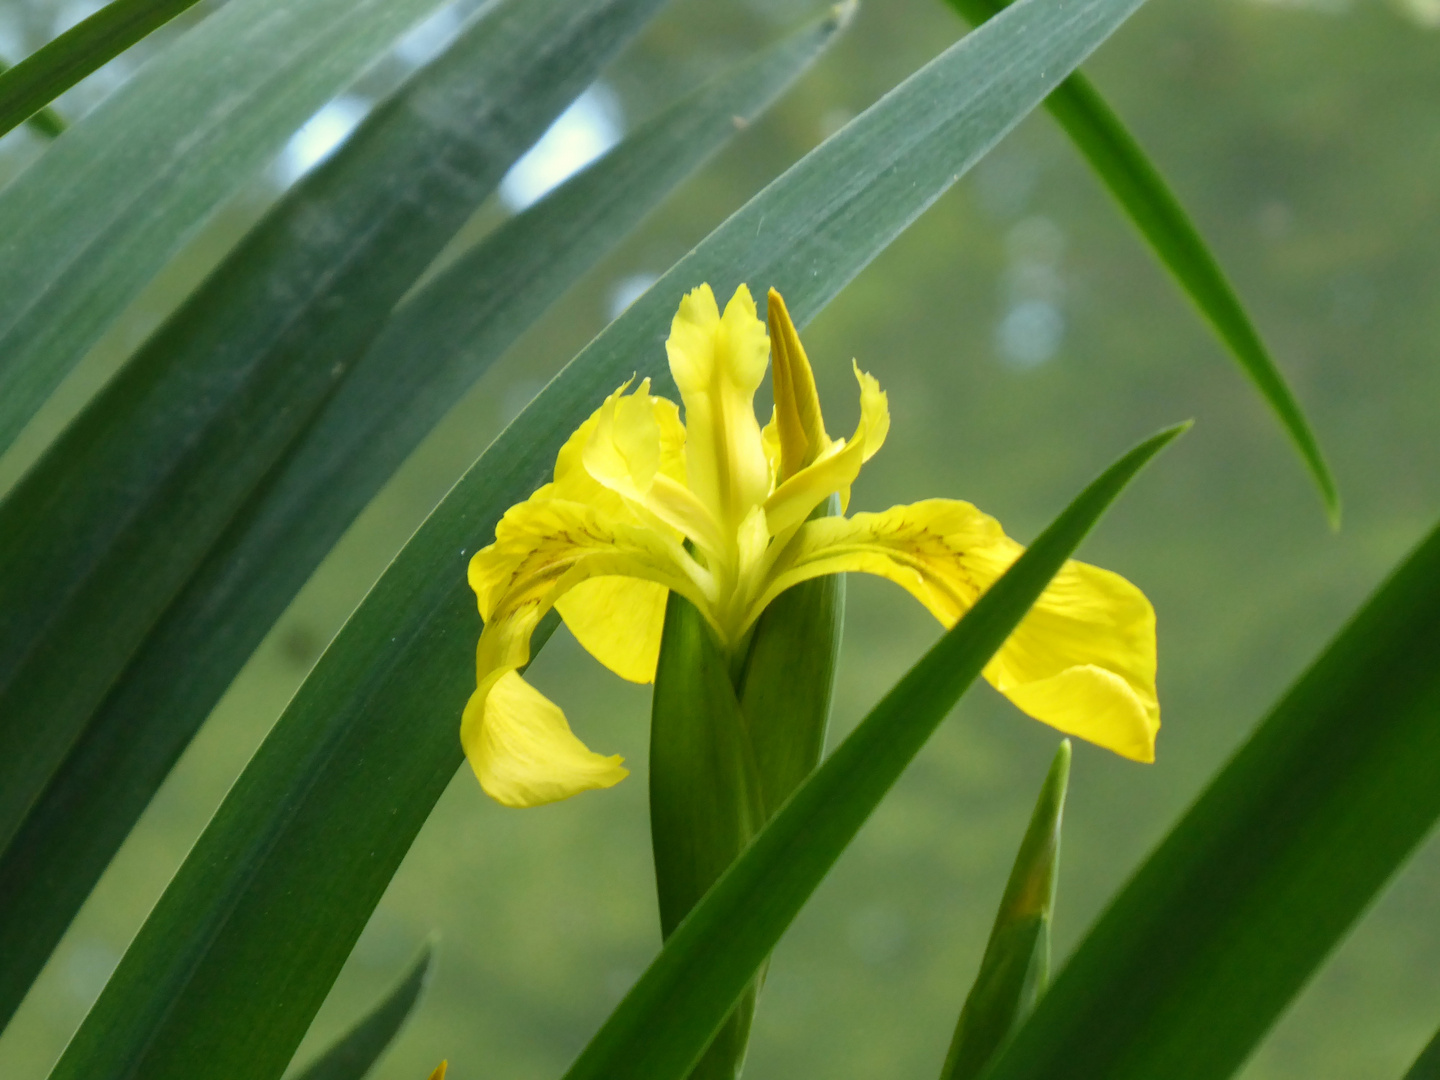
point(630, 452)
point(718, 362)
point(1082, 660)
point(439, 1073)
point(619, 621)
point(837, 466)
point(623, 451)
point(798, 421)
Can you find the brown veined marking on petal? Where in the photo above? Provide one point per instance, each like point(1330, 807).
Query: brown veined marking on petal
point(878, 547)
point(559, 567)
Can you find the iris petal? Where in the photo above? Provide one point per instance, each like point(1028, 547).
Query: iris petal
point(717, 362)
point(619, 621)
point(837, 467)
point(522, 749)
point(1082, 660)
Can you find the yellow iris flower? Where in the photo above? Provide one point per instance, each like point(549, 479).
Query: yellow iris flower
point(719, 510)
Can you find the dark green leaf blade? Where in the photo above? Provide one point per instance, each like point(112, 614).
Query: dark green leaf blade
point(1016, 966)
point(97, 216)
point(445, 337)
point(102, 534)
point(667, 1018)
point(1246, 896)
point(1427, 1065)
point(356, 1052)
point(47, 73)
point(289, 870)
point(46, 120)
point(1146, 197)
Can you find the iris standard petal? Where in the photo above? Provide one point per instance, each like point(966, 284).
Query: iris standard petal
point(717, 363)
point(523, 751)
point(619, 621)
point(631, 448)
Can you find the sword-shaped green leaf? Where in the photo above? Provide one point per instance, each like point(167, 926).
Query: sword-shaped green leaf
point(431, 350)
point(278, 888)
point(90, 223)
point(355, 1053)
point(1243, 900)
point(45, 74)
point(46, 121)
point(1016, 966)
point(665, 1021)
point(1148, 201)
point(1427, 1065)
point(101, 535)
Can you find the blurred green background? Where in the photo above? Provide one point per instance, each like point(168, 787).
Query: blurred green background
point(1025, 337)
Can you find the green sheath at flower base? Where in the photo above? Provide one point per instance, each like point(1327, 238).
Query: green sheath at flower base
point(705, 797)
point(643, 505)
point(1016, 966)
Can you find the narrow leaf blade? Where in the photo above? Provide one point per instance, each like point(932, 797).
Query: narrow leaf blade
point(1016, 966)
point(45, 121)
point(95, 218)
point(354, 1054)
point(1247, 895)
point(41, 77)
point(102, 534)
point(1427, 1065)
point(666, 1019)
point(1146, 198)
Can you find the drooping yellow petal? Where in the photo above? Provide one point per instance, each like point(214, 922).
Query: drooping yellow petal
point(522, 749)
point(718, 362)
point(619, 621)
point(1082, 660)
point(837, 467)
point(518, 743)
point(799, 425)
